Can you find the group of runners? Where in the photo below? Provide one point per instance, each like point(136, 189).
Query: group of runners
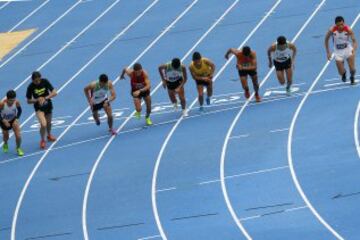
point(101, 93)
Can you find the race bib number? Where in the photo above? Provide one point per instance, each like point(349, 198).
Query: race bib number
point(341, 46)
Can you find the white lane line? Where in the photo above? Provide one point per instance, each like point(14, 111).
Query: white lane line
point(284, 211)
point(338, 83)
point(166, 189)
point(29, 15)
point(163, 147)
point(150, 237)
point(279, 130)
point(246, 174)
point(240, 136)
point(289, 150)
point(281, 87)
point(23, 191)
point(232, 126)
point(58, 53)
point(4, 5)
point(40, 34)
point(356, 129)
point(336, 79)
point(94, 168)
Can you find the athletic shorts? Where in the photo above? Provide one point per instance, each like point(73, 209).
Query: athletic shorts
point(47, 108)
point(244, 73)
point(281, 66)
point(3, 127)
point(201, 82)
point(99, 106)
point(343, 54)
point(141, 95)
point(173, 85)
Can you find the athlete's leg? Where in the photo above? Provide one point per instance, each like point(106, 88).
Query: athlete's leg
point(17, 132)
point(48, 117)
point(255, 83)
point(181, 94)
point(147, 100)
point(289, 77)
point(351, 63)
point(5, 136)
point(43, 124)
point(341, 69)
point(200, 89)
point(280, 76)
point(245, 86)
point(108, 111)
point(209, 89)
point(172, 96)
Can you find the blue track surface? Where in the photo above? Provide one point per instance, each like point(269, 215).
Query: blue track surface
point(288, 166)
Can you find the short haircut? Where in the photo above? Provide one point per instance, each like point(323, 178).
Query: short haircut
point(246, 50)
point(196, 56)
point(281, 40)
point(35, 74)
point(103, 78)
point(137, 67)
point(339, 19)
point(11, 94)
point(176, 63)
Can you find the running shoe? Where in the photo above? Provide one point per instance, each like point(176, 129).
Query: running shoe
point(112, 131)
point(185, 113)
point(201, 108)
point(175, 105)
point(42, 144)
point(208, 100)
point(51, 138)
point(5, 148)
point(352, 80)
point(138, 115)
point(247, 94)
point(20, 152)
point(343, 77)
point(288, 90)
point(148, 121)
point(257, 98)
point(97, 122)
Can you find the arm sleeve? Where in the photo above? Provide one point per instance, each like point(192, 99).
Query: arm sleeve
point(19, 111)
point(29, 92)
point(48, 85)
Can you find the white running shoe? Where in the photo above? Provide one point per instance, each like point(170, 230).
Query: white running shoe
point(185, 113)
point(175, 105)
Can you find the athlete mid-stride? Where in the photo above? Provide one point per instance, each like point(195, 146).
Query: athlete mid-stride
point(10, 112)
point(343, 49)
point(97, 94)
point(140, 89)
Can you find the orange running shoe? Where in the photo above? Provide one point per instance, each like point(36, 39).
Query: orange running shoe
point(51, 138)
point(42, 144)
point(247, 94)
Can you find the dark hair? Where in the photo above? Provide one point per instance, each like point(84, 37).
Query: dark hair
point(196, 56)
point(339, 19)
point(103, 78)
point(176, 63)
point(137, 67)
point(35, 74)
point(246, 50)
point(281, 40)
point(11, 94)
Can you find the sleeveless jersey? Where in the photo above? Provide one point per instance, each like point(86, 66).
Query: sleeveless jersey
point(100, 94)
point(282, 55)
point(172, 74)
point(9, 112)
point(204, 70)
point(137, 82)
point(341, 39)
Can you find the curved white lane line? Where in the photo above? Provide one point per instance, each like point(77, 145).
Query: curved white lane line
point(289, 147)
point(163, 147)
point(29, 15)
point(40, 34)
point(33, 172)
point(356, 129)
point(68, 43)
point(232, 126)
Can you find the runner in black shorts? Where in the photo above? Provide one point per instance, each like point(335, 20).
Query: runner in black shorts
point(39, 93)
point(140, 89)
point(97, 94)
point(246, 65)
point(282, 55)
point(174, 76)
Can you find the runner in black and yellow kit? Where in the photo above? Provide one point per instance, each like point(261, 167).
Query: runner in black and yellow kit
point(39, 93)
point(202, 71)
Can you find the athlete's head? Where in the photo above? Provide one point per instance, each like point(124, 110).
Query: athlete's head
point(103, 79)
point(176, 63)
point(11, 96)
point(196, 57)
point(246, 51)
point(36, 77)
point(281, 40)
point(340, 22)
point(137, 69)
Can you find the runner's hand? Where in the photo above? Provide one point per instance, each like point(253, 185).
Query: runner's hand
point(164, 84)
point(329, 55)
point(41, 100)
point(270, 64)
point(136, 93)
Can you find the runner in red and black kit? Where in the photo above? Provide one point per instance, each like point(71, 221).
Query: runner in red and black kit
point(140, 89)
point(246, 65)
point(39, 93)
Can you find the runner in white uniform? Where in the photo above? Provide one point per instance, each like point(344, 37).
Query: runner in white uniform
point(97, 94)
point(282, 55)
point(10, 112)
point(344, 48)
point(174, 76)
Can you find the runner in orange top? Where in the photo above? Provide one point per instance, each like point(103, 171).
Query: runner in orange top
point(246, 65)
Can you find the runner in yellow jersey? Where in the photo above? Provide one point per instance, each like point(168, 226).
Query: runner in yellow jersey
point(202, 71)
